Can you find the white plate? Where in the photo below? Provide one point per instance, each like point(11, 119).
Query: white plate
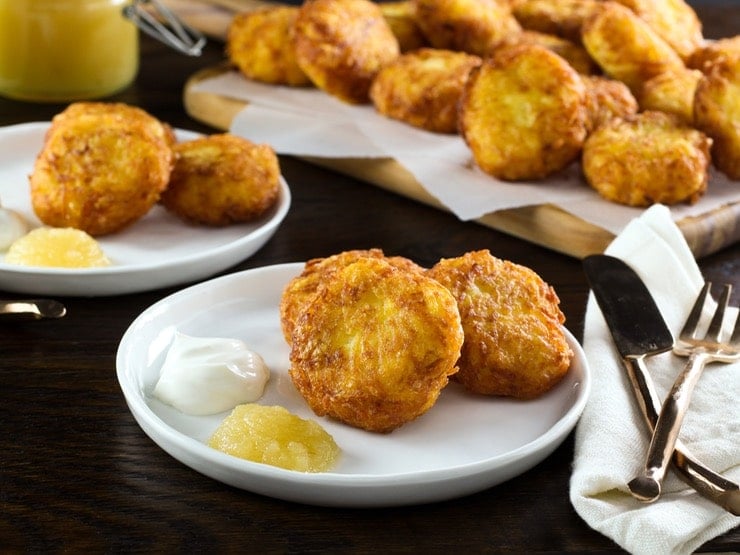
point(463, 444)
point(159, 250)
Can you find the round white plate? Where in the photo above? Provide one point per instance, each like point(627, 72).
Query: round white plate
point(463, 444)
point(159, 250)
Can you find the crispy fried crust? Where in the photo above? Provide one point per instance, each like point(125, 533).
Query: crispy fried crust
point(626, 47)
point(647, 158)
point(710, 52)
point(514, 343)
point(671, 92)
point(717, 113)
point(571, 52)
point(523, 113)
point(606, 99)
point(116, 113)
point(259, 43)
point(401, 18)
point(222, 179)
point(376, 345)
point(342, 44)
point(301, 290)
point(473, 26)
point(562, 17)
point(673, 20)
point(101, 168)
point(422, 88)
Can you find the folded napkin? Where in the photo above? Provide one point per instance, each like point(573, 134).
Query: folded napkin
point(611, 438)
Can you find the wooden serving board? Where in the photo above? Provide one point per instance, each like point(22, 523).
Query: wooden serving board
point(546, 224)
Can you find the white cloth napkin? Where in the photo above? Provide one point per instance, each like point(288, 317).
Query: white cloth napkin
point(611, 438)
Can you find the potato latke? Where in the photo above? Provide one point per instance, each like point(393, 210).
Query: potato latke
point(473, 26)
point(423, 88)
point(717, 112)
point(302, 289)
point(514, 343)
point(342, 44)
point(647, 158)
point(560, 17)
point(101, 168)
point(606, 99)
point(222, 179)
point(376, 345)
point(523, 113)
point(260, 44)
point(625, 46)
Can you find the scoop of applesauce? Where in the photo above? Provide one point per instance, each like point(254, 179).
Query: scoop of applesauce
point(273, 435)
point(57, 247)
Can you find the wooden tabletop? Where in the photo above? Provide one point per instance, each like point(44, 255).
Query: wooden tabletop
point(77, 473)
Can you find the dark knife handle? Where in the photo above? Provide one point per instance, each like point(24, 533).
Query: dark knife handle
point(708, 483)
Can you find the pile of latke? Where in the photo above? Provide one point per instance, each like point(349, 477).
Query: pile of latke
point(103, 166)
point(628, 86)
point(374, 339)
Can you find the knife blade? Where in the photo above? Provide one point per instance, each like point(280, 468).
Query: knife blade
point(639, 331)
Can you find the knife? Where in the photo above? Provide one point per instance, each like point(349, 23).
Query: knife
point(639, 331)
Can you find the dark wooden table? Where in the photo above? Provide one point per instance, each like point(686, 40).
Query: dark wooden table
point(77, 474)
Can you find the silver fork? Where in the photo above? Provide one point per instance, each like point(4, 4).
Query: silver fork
point(700, 351)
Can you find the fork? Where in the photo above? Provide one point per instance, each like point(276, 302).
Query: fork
point(700, 351)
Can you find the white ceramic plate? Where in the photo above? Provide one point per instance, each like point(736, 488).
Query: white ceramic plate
point(157, 251)
point(463, 444)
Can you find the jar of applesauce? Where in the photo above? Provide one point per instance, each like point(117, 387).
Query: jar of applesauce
point(65, 50)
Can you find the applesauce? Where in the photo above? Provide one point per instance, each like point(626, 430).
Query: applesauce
point(65, 50)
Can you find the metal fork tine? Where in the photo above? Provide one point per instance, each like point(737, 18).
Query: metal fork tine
point(715, 326)
point(692, 322)
point(735, 339)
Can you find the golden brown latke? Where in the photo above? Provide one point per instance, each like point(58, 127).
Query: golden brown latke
point(423, 87)
point(717, 113)
point(514, 343)
point(222, 179)
point(101, 168)
point(673, 20)
point(571, 52)
point(301, 290)
point(562, 17)
point(117, 112)
point(376, 345)
point(606, 99)
point(473, 26)
point(705, 56)
point(523, 113)
point(626, 47)
point(673, 92)
point(260, 45)
point(342, 44)
point(401, 18)
point(647, 158)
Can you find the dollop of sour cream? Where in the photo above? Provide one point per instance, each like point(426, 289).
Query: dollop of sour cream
point(12, 226)
point(207, 375)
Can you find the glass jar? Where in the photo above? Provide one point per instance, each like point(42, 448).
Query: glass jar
point(66, 50)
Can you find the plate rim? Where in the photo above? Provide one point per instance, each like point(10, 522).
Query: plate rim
point(180, 444)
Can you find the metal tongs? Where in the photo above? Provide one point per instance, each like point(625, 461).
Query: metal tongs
point(158, 21)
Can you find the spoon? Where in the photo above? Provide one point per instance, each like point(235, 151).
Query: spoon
point(32, 308)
